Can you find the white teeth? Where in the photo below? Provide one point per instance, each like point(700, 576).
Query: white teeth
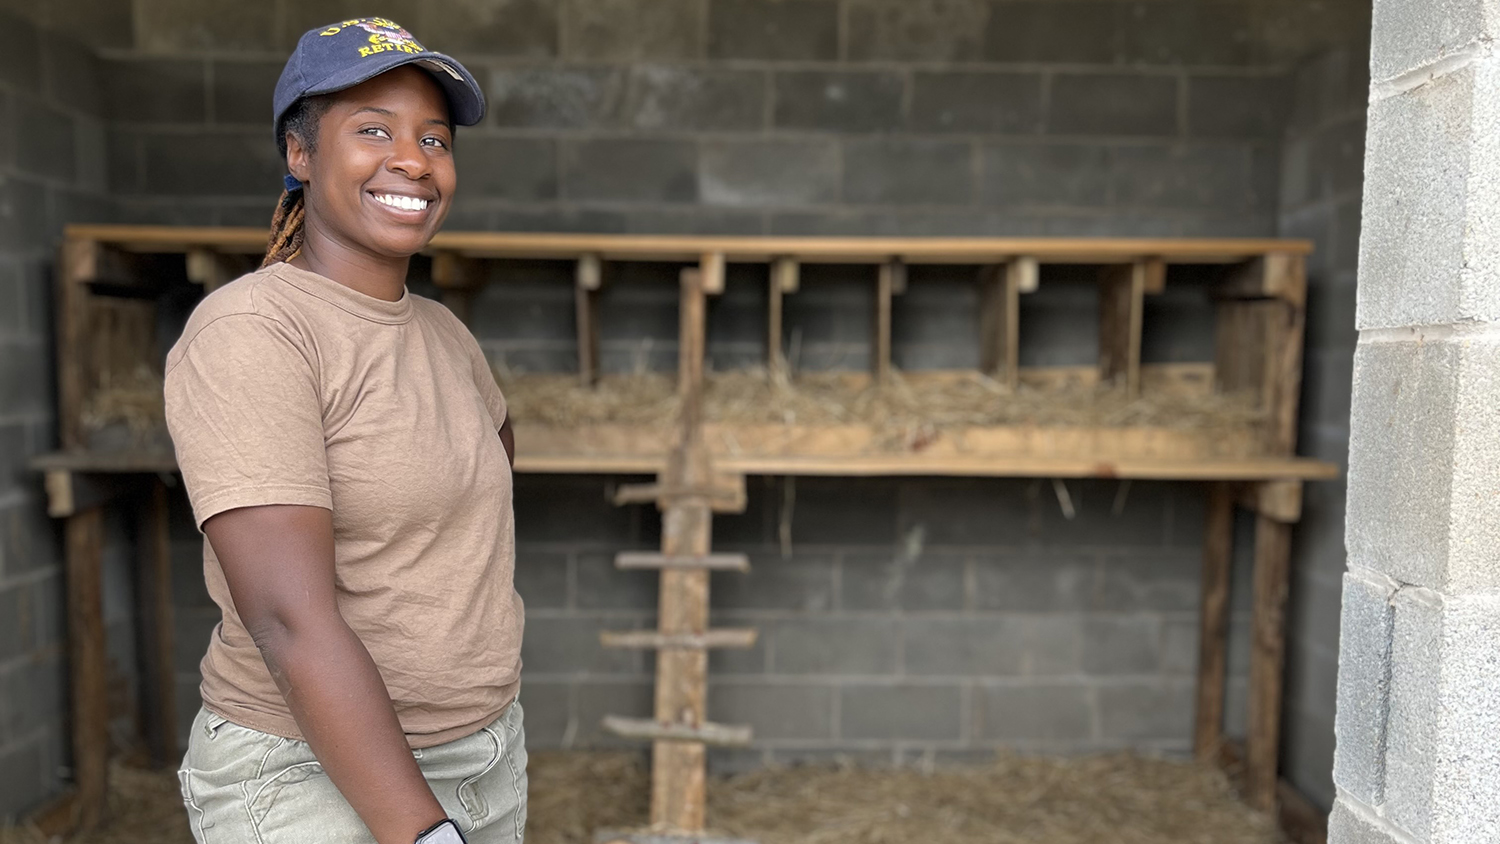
point(409, 203)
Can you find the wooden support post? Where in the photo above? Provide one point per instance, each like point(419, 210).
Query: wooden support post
point(629, 560)
point(783, 280)
point(1218, 552)
point(691, 335)
point(87, 665)
point(213, 269)
point(154, 621)
point(1273, 548)
point(1001, 286)
point(890, 282)
point(1122, 292)
point(729, 637)
point(588, 282)
point(711, 265)
point(457, 277)
point(1261, 317)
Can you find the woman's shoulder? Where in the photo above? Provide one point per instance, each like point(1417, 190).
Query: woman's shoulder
point(249, 300)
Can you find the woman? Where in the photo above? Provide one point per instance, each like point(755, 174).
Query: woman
point(347, 455)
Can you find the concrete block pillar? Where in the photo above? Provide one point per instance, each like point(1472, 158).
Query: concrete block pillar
point(1418, 724)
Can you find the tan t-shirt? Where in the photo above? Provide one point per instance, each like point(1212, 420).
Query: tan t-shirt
point(287, 387)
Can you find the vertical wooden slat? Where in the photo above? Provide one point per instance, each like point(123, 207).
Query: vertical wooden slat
point(1000, 319)
point(87, 665)
point(589, 279)
point(1218, 550)
point(1273, 544)
point(783, 280)
point(154, 621)
point(72, 317)
point(1121, 305)
point(691, 340)
point(711, 267)
point(1283, 368)
point(678, 769)
point(890, 281)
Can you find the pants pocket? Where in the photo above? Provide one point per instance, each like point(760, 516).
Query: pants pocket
point(197, 821)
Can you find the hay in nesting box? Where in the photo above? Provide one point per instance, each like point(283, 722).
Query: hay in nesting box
point(135, 401)
point(1119, 798)
point(903, 403)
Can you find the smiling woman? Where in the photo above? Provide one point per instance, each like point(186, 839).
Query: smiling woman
point(347, 454)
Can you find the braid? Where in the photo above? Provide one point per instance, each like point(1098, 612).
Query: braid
point(286, 229)
point(287, 222)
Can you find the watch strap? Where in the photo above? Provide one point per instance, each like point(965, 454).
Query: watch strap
point(445, 831)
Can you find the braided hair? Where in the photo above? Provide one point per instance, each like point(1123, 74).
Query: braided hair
point(287, 221)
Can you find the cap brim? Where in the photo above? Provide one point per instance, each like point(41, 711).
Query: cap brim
point(465, 99)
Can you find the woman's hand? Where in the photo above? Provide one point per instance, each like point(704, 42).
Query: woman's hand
point(278, 560)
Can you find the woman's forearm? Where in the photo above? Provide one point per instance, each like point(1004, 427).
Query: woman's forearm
point(344, 711)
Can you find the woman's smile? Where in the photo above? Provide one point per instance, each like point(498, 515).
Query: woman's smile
point(405, 207)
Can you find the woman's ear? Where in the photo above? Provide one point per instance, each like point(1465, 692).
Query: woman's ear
point(298, 158)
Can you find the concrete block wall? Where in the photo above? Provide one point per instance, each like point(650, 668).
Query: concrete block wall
point(52, 153)
point(1322, 175)
point(1416, 723)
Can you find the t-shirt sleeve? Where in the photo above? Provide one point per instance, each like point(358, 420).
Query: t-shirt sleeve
point(246, 420)
point(484, 380)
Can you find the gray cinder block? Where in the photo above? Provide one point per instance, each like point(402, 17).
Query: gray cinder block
point(773, 29)
point(694, 98)
point(774, 710)
point(899, 30)
point(1424, 459)
point(1350, 825)
point(507, 168)
point(1432, 203)
point(1408, 34)
point(918, 171)
point(900, 712)
point(1113, 104)
point(831, 645)
point(839, 100)
point(1061, 712)
point(155, 90)
point(769, 172)
point(1236, 106)
point(969, 101)
point(1364, 685)
point(1033, 645)
point(630, 169)
point(1443, 740)
point(632, 30)
point(1044, 173)
point(582, 97)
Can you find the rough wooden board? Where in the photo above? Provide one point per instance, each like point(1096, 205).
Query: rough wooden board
point(1218, 552)
point(662, 733)
point(634, 560)
point(650, 639)
point(1267, 661)
point(87, 665)
point(1121, 308)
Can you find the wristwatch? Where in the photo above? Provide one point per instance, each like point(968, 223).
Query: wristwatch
point(444, 831)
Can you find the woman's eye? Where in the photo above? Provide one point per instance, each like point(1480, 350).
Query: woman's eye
point(371, 129)
point(439, 142)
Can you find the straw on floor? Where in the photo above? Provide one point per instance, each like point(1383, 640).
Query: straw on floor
point(1118, 799)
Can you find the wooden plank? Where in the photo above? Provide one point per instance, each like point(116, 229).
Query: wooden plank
point(650, 639)
point(632, 560)
point(786, 273)
point(1279, 500)
point(213, 269)
point(71, 492)
point(711, 269)
point(251, 240)
point(775, 354)
point(457, 278)
point(589, 280)
point(97, 262)
point(678, 769)
point(1121, 306)
point(1218, 553)
point(1000, 323)
point(692, 341)
point(71, 296)
point(155, 625)
point(725, 494)
point(890, 281)
point(1277, 275)
point(1267, 656)
point(87, 665)
point(645, 728)
point(1283, 384)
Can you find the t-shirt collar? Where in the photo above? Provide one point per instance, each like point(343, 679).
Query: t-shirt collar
point(346, 298)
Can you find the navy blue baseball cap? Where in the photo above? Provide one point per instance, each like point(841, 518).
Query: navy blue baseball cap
point(346, 53)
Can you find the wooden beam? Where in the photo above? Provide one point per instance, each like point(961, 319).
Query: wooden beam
point(644, 728)
point(711, 266)
point(457, 278)
point(155, 625)
point(786, 272)
point(588, 281)
point(1000, 322)
point(98, 262)
point(1277, 275)
point(725, 494)
point(633, 560)
point(1218, 553)
point(678, 769)
point(1122, 289)
point(692, 340)
point(213, 269)
point(1273, 543)
point(890, 281)
point(70, 492)
point(87, 662)
point(1283, 385)
point(648, 639)
point(1280, 500)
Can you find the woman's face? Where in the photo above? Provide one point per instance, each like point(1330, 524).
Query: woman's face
point(382, 177)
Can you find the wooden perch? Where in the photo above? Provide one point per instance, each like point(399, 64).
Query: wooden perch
point(647, 639)
point(645, 728)
point(713, 562)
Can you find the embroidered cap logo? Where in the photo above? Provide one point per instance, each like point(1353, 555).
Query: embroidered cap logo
point(385, 36)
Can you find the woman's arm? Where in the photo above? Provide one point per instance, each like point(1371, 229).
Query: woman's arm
point(278, 560)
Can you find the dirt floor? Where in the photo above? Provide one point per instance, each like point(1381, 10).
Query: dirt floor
point(1116, 799)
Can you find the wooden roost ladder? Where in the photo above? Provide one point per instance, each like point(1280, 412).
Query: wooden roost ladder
point(688, 492)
